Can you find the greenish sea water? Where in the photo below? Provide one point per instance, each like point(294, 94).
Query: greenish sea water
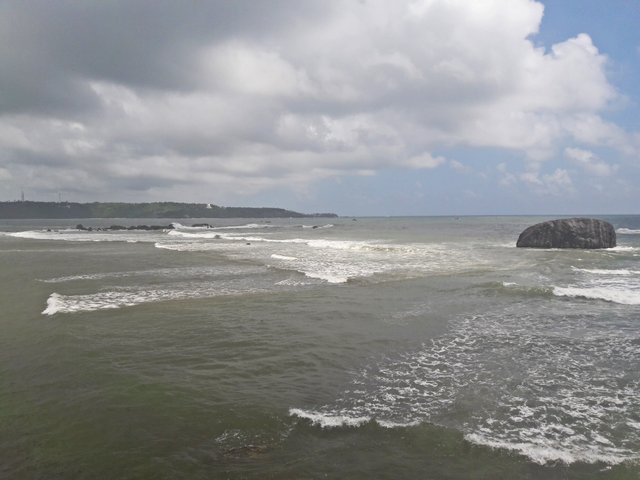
point(427, 348)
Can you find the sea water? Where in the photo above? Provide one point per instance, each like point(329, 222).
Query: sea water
point(322, 348)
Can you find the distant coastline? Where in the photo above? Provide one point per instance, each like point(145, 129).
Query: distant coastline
point(37, 210)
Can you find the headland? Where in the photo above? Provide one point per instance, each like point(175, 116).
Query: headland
point(35, 209)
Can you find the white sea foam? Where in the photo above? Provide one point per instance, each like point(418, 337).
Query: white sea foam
point(318, 227)
point(334, 261)
point(293, 282)
point(173, 273)
point(232, 280)
point(282, 257)
point(73, 235)
point(190, 246)
point(553, 391)
point(316, 243)
point(541, 451)
point(329, 421)
point(600, 271)
point(57, 303)
point(339, 421)
point(628, 231)
point(248, 226)
point(621, 248)
point(624, 296)
point(180, 226)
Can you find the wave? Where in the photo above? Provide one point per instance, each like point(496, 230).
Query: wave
point(73, 235)
point(541, 454)
point(173, 273)
point(528, 290)
point(282, 257)
point(179, 226)
point(318, 227)
point(614, 294)
point(248, 226)
point(333, 261)
point(315, 243)
point(335, 421)
point(600, 271)
point(189, 247)
point(329, 421)
point(621, 248)
point(628, 231)
point(57, 303)
point(513, 380)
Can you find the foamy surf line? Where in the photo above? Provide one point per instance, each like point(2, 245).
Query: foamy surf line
point(546, 453)
point(248, 226)
point(57, 303)
point(73, 235)
point(316, 243)
point(541, 453)
point(325, 420)
point(591, 419)
point(178, 272)
point(622, 296)
point(601, 271)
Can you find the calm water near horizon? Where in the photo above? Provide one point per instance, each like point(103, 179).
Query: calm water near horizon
point(422, 347)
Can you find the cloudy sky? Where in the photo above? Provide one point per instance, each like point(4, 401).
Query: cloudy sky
point(362, 107)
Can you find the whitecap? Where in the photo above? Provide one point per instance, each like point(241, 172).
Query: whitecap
point(104, 300)
point(628, 231)
point(318, 227)
point(55, 303)
point(328, 421)
point(552, 391)
point(282, 257)
point(173, 273)
point(73, 235)
point(621, 248)
point(601, 271)
point(615, 294)
point(248, 226)
point(542, 452)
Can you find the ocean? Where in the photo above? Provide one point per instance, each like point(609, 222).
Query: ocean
point(348, 348)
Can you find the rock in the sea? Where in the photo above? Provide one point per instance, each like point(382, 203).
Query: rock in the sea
point(569, 233)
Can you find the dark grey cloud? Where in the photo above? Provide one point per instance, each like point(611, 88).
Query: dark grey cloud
point(47, 47)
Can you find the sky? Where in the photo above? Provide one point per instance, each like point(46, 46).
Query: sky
point(359, 107)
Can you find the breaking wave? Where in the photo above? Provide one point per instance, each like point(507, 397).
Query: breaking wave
point(615, 294)
point(57, 303)
point(332, 260)
point(73, 235)
point(170, 273)
point(523, 382)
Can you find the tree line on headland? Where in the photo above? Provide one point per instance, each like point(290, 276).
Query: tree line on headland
point(32, 209)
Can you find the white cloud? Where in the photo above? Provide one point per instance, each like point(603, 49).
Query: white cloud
point(556, 183)
point(460, 167)
point(558, 179)
point(362, 87)
point(588, 161)
point(425, 160)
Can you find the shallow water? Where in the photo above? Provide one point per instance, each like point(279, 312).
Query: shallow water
point(382, 347)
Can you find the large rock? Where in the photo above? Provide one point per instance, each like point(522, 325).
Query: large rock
point(569, 233)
